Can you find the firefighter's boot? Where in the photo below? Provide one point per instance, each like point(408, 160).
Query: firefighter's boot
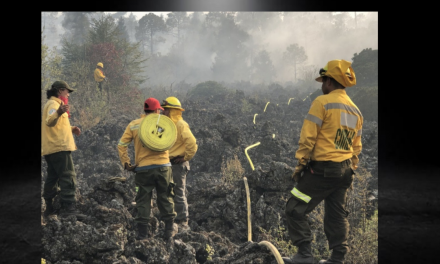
point(49, 208)
point(303, 256)
point(337, 257)
point(68, 209)
point(169, 229)
point(142, 231)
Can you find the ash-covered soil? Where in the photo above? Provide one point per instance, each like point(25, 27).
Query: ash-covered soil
point(218, 211)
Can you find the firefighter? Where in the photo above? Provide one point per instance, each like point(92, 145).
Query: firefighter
point(57, 143)
point(180, 153)
point(329, 145)
point(99, 75)
point(153, 171)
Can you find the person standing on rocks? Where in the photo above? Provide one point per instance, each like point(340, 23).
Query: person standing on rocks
point(329, 145)
point(57, 143)
point(153, 170)
point(180, 153)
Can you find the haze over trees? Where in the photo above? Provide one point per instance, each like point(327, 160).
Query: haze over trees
point(248, 51)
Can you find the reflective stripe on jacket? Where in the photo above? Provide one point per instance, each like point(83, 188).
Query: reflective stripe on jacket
point(186, 144)
point(143, 156)
point(99, 76)
point(332, 130)
point(56, 131)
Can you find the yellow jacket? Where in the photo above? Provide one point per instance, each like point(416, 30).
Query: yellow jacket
point(186, 142)
point(143, 156)
point(332, 130)
point(56, 131)
point(99, 77)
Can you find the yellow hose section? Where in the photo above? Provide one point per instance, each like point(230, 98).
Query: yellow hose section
point(265, 107)
point(274, 251)
point(158, 132)
point(289, 100)
point(248, 200)
point(254, 117)
point(245, 151)
point(307, 96)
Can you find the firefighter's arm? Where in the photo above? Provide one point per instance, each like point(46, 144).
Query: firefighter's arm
point(309, 132)
point(125, 140)
point(357, 147)
point(52, 114)
point(190, 142)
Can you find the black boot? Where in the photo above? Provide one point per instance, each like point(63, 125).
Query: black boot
point(303, 256)
point(49, 208)
point(142, 231)
point(337, 257)
point(68, 209)
point(169, 229)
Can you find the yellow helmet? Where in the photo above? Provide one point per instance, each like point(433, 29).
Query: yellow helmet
point(340, 70)
point(100, 65)
point(172, 102)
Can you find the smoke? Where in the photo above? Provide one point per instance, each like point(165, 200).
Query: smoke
point(212, 47)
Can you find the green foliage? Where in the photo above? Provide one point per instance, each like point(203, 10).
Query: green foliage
point(365, 65)
point(210, 250)
point(50, 68)
point(364, 242)
point(279, 238)
point(232, 170)
point(104, 30)
point(122, 66)
point(208, 89)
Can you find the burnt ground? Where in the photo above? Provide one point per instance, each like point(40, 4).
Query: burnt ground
point(408, 209)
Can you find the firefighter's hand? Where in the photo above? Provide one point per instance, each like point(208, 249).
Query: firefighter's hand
point(62, 109)
point(297, 173)
point(178, 160)
point(76, 130)
point(129, 167)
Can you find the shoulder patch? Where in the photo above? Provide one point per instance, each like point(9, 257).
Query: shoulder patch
point(51, 111)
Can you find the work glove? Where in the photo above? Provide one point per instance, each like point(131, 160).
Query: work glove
point(297, 173)
point(114, 179)
point(129, 167)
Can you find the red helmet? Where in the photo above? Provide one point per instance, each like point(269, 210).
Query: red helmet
point(152, 104)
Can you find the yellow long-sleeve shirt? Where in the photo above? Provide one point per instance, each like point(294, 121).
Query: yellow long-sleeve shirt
point(99, 76)
point(56, 131)
point(186, 144)
point(332, 130)
point(143, 155)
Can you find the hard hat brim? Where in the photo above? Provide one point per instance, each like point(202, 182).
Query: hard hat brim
point(181, 109)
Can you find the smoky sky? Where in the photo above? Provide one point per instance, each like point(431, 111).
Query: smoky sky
point(231, 53)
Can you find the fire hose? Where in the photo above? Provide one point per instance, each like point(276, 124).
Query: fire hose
point(266, 106)
point(269, 245)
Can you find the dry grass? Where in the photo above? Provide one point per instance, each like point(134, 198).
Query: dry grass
point(232, 170)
